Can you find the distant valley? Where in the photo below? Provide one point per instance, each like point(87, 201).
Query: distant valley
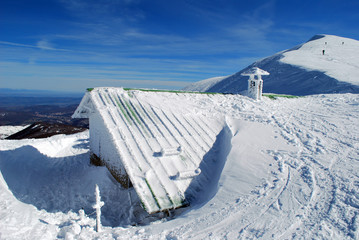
point(22, 107)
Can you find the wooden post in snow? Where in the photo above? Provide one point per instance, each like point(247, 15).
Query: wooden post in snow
point(98, 206)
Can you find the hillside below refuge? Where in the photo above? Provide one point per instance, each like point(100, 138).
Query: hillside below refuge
point(324, 64)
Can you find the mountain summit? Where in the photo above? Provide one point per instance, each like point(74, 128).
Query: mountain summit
point(324, 64)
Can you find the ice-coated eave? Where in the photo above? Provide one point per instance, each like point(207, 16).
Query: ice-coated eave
point(159, 138)
point(85, 107)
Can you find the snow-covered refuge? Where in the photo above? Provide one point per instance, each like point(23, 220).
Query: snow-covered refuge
point(255, 82)
point(153, 145)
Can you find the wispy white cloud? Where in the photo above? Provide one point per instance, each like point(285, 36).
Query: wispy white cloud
point(254, 27)
point(17, 44)
point(112, 50)
point(69, 77)
point(99, 11)
point(226, 33)
point(42, 44)
point(230, 34)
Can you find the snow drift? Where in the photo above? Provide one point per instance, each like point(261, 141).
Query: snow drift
point(302, 70)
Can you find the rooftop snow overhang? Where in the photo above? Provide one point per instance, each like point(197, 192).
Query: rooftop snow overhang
point(85, 107)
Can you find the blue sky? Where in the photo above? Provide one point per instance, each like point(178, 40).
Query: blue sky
point(70, 45)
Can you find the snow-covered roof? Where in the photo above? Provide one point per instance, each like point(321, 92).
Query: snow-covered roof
point(160, 142)
point(255, 71)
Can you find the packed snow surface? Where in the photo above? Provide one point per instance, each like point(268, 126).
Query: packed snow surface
point(291, 172)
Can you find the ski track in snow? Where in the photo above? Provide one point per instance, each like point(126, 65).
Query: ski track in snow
point(321, 211)
point(300, 181)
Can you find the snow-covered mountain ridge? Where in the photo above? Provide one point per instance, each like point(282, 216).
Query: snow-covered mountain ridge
point(204, 85)
point(302, 70)
point(336, 56)
point(291, 173)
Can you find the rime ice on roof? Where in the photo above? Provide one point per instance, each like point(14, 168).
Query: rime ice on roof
point(255, 82)
point(255, 71)
point(147, 141)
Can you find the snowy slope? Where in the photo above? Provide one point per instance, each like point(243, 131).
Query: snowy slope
point(304, 70)
point(6, 131)
point(204, 85)
point(340, 59)
point(290, 171)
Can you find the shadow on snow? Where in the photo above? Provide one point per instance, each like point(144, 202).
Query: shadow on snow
point(63, 184)
point(204, 187)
